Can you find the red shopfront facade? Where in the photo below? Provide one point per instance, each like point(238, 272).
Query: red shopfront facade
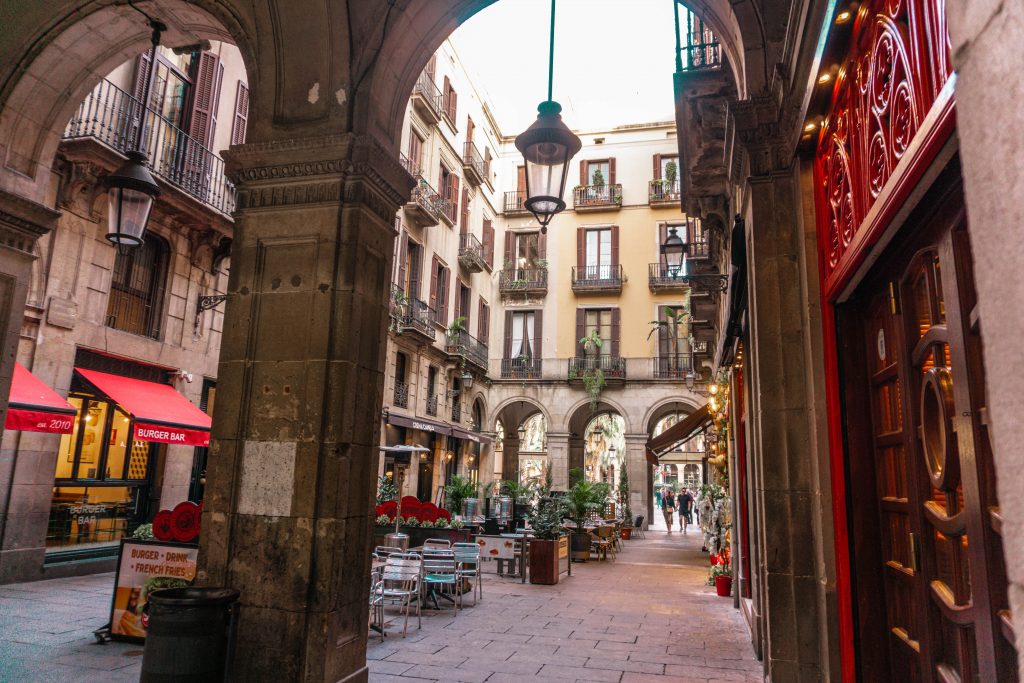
point(922, 582)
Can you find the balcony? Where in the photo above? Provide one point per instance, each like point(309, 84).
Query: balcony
point(521, 368)
point(597, 197)
point(698, 250)
point(415, 318)
point(525, 281)
point(663, 278)
point(448, 208)
point(424, 206)
point(456, 412)
point(432, 405)
point(698, 347)
point(612, 367)
point(597, 279)
point(473, 168)
point(663, 193)
point(426, 99)
point(401, 394)
point(514, 204)
point(464, 345)
point(471, 253)
point(671, 366)
point(702, 51)
point(111, 116)
point(411, 168)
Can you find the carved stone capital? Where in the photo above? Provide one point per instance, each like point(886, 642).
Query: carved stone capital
point(23, 221)
point(81, 186)
point(377, 179)
point(759, 129)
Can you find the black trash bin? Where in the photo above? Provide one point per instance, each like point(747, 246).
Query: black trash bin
point(189, 634)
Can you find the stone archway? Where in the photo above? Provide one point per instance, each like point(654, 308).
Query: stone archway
point(512, 413)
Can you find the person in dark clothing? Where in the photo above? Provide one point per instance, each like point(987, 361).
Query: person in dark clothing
point(668, 504)
point(684, 503)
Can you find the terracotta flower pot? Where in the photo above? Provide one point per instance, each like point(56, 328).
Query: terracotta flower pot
point(626, 532)
point(723, 585)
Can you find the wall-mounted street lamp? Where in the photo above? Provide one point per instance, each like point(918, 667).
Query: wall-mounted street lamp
point(131, 189)
point(547, 147)
point(674, 251)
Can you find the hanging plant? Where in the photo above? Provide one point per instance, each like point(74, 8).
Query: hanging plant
point(593, 383)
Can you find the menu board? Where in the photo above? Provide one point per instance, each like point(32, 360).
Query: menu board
point(143, 567)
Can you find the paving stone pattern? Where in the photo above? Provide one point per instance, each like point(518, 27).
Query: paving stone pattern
point(646, 617)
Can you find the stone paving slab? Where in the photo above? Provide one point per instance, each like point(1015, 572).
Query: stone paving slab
point(646, 618)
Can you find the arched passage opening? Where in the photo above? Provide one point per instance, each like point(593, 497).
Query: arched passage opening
point(522, 442)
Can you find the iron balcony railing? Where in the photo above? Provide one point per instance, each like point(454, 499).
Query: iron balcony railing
point(514, 202)
point(411, 167)
point(672, 366)
point(471, 252)
point(401, 394)
point(449, 208)
point(597, 196)
point(521, 368)
point(429, 92)
point(465, 344)
point(418, 316)
point(662, 191)
point(456, 412)
point(664, 275)
point(612, 367)
point(698, 249)
point(597, 277)
point(523, 280)
point(432, 405)
point(699, 346)
point(473, 160)
point(112, 116)
point(427, 198)
point(702, 49)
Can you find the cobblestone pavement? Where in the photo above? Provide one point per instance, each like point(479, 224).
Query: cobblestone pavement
point(645, 617)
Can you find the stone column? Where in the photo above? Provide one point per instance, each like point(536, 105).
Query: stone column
point(558, 458)
point(296, 433)
point(636, 466)
point(787, 452)
point(25, 485)
point(577, 455)
point(986, 38)
point(510, 456)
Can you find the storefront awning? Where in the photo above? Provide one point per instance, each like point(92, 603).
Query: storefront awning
point(161, 413)
point(400, 420)
point(679, 432)
point(35, 407)
point(475, 437)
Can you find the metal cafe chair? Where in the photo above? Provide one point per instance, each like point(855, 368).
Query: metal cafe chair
point(377, 602)
point(440, 570)
point(437, 544)
point(467, 555)
point(400, 583)
point(382, 552)
point(638, 527)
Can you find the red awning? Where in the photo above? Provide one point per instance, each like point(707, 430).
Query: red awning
point(35, 407)
point(161, 413)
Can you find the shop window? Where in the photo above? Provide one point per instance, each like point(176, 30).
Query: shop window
point(101, 480)
point(137, 288)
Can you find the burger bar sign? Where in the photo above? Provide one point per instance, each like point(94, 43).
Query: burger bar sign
point(174, 435)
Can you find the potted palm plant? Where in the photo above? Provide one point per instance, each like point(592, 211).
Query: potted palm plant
point(583, 499)
point(546, 521)
point(458, 490)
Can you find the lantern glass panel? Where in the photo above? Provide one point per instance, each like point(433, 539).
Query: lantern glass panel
point(127, 214)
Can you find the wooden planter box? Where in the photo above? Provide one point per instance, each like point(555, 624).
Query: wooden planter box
point(417, 535)
point(544, 562)
point(580, 545)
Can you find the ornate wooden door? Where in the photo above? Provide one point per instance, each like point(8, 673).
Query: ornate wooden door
point(939, 524)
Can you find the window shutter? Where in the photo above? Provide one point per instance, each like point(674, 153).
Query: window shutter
point(215, 107)
point(483, 320)
point(615, 332)
point(446, 293)
point(615, 245)
point(454, 104)
point(464, 221)
point(662, 236)
point(241, 123)
point(469, 129)
point(510, 249)
point(431, 68)
point(403, 248)
point(657, 167)
point(414, 151)
point(458, 300)
point(488, 240)
point(454, 195)
point(508, 334)
point(521, 179)
point(611, 171)
point(538, 334)
point(415, 267)
point(581, 330)
point(203, 98)
point(141, 76)
point(446, 93)
point(581, 252)
point(584, 179)
point(433, 283)
point(487, 164)
point(663, 351)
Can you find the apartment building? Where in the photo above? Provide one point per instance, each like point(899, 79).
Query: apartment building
point(497, 327)
point(102, 322)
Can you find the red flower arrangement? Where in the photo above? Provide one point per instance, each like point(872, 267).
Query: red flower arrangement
point(185, 522)
point(162, 527)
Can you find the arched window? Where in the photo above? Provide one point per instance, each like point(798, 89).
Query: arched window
point(137, 289)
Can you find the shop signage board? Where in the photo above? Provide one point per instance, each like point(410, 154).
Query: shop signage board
point(564, 565)
point(143, 567)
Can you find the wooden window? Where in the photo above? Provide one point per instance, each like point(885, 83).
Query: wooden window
point(606, 322)
point(450, 101)
point(415, 151)
point(241, 123)
point(483, 323)
point(464, 216)
point(171, 88)
point(488, 242)
point(590, 167)
point(523, 334)
point(440, 280)
point(205, 98)
point(597, 252)
point(136, 297)
point(449, 183)
point(465, 296)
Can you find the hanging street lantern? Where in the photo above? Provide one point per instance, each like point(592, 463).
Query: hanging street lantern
point(131, 189)
point(547, 147)
point(522, 433)
point(467, 380)
point(674, 251)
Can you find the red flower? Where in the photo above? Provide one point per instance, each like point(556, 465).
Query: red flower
point(445, 514)
point(185, 522)
point(162, 526)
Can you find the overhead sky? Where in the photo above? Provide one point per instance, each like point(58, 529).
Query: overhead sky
point(614, 60)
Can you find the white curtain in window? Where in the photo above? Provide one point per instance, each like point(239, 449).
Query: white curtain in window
point(517, 335)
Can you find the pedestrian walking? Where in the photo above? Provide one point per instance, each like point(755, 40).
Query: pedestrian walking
point(668, 505)
point(684, 503)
